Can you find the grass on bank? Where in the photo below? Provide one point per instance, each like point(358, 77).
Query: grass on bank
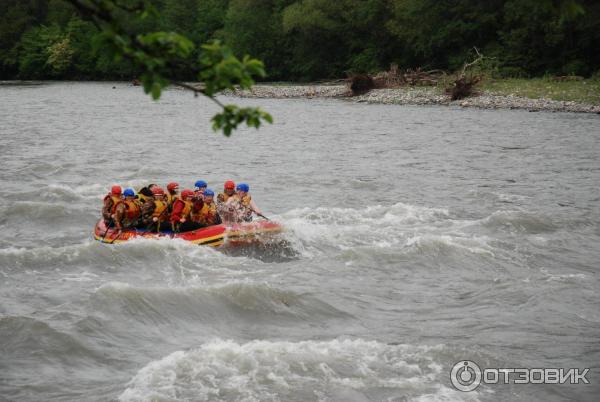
point(584, 91)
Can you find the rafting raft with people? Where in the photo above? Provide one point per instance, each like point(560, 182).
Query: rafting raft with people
point(193, 215)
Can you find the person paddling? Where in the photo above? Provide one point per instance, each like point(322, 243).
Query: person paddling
point(110, 205)
point(128, 212)
point(145, 193)
point(172, 193)
point(228, 191)
point(243, 204)
point(208, 213)
point(181, 216)
point(156, 216)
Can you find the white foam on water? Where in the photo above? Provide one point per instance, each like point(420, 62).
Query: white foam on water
point(551, 277)
point(47, 253)
point(399, 226)
point(339, 369)
point(472, 244)
point(190, 259)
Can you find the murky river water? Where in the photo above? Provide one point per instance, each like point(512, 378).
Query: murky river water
point(419, 237)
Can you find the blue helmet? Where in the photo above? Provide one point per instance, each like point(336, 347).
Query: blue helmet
point(129, 192)
point(201, 183)
point(243, 187)
point(208, 192)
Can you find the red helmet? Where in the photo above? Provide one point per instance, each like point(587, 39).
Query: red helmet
point(229, 185)
point(187, 193)
point(172, 186)
point(157, 191)
point(115, 190)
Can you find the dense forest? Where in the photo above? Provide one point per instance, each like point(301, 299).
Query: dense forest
point(319, 39)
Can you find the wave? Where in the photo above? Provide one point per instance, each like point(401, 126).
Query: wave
point(444, 244)
point(339, 369)
point(245, 300)
point(24, 337)
point(16, 257)
point(406, 229)
point(138, 252)
point(519, 222)
point(41, 212)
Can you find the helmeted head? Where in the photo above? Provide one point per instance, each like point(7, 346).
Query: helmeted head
point(200, 184)
point(158, 192)
point(116, 190)
point(187, 194)
point(173, 187)
point(208, 195)
point(229, 187)
point(243, 188)
point(129, 193)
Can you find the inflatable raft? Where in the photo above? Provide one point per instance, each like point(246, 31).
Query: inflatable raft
point(217, 235)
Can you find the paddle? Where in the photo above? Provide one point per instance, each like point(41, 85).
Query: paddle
point(115, 238)
point(107, 224)
point(262, 216)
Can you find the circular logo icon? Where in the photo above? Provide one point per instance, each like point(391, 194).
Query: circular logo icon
point(465, 375)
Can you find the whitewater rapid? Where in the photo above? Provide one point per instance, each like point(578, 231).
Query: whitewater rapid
point(415, 237)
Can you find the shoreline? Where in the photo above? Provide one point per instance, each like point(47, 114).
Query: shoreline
point(415, 96)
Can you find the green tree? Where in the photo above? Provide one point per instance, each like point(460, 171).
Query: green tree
point(440, 34)
point(254, 27)
point(16, 17)
point(543, 36)
point(210, 19)
point(330, 38)
point(35, 48)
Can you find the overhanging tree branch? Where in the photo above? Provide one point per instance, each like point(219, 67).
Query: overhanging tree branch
point(157, 55)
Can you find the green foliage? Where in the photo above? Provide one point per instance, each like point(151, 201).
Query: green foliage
point(159, 56)
point(44, 51)
point(232, 116)
point(332, 38)
point(220, 69)
point(60, 55)
point(296, 39)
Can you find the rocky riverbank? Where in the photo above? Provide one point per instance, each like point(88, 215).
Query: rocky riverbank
point(417, 96)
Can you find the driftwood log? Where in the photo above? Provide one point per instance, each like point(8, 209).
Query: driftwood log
point(394, 78)
point(463, 85)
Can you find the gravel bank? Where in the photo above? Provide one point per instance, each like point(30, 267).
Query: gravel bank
point(416, 96)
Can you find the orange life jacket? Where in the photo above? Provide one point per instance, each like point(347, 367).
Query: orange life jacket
point(159, 210)
point(115, 200)
point(196, 213)
point(208, 214)
point(133, 210)
point(171, 198)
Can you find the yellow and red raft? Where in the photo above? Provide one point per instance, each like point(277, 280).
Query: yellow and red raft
point(217, 235)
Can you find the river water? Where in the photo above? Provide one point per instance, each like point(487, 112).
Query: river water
point(417, 237)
